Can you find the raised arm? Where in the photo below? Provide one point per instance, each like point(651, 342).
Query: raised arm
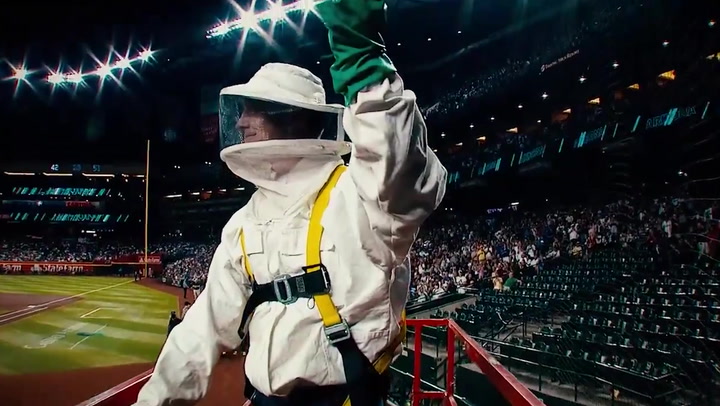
point(193, 348)
point(398, 178)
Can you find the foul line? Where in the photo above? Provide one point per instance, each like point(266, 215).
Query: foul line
point(22, 312)
point(91, 312)
point(94, 332)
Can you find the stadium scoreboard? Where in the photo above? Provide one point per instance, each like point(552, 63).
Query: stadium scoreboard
point(72, 200)
point(61, 191)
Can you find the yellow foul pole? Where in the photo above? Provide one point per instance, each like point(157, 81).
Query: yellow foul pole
point(147, 204)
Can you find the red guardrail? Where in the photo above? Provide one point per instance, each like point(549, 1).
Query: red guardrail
point(511, 389)
point(507, 385)
point(124, 394)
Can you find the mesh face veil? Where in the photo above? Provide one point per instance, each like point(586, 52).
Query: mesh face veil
point(281, 121)
point(278, 132)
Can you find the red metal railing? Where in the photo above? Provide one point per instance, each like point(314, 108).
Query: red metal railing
point(511, 389)
point(124, 394)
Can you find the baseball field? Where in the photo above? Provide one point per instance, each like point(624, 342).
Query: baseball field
point(66, 338)
point(51, 324)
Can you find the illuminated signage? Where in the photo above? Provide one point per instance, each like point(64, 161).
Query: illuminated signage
point(65, 217)
point(76, 168)
point(667, 119)
point(453, 177)
point(532, 154)
point(61, 191)
point(492, 166)
point(587, 137)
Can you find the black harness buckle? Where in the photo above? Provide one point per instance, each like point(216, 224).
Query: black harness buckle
point(325, 275)
point(283, 292)
point(338, 333)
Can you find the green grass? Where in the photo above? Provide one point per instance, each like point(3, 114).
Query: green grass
point(129, 327)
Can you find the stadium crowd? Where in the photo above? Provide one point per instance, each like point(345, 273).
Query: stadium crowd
point(482, 251)
point(76, 250)
point(488, 250)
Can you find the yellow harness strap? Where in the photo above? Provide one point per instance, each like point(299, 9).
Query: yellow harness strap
point(324, 303)
point(328, 312)
point(246, 260)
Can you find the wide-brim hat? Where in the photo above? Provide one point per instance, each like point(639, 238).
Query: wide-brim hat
point(286, 84)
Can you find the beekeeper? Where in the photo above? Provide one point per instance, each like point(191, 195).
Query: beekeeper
point(312, 271)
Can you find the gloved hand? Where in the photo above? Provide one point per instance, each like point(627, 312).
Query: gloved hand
point(354, 31)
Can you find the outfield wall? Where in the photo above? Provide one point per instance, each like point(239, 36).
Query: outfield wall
point(76, 268)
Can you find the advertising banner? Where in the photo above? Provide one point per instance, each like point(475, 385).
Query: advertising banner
point(152, 259)
point(77, 268)
point(49, 268)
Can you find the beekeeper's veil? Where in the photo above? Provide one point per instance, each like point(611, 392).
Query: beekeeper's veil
point(288, 96)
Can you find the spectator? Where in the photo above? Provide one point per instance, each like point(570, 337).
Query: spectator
point(174, 321)
point(185, 309)
point(511, 282)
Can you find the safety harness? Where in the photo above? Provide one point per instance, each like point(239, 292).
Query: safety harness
point(362, 376)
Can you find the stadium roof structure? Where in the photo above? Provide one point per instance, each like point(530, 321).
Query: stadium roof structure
point(100, 80)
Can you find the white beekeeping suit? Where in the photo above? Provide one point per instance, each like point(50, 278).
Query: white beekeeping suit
point(392, 184)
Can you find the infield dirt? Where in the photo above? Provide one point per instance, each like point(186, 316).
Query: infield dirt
point(17, 306)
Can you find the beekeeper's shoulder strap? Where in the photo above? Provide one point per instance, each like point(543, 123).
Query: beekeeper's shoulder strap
point(315, 283)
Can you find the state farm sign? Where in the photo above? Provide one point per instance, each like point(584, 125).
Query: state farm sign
point(11, 268)
point(46, 268)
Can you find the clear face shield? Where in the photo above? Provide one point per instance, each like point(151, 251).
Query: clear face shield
point(249, 122)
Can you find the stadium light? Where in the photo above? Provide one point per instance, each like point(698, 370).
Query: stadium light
point(249, 20)
point(20, 73)
point(74, 78)
point(252, 20)
point(276, 12)
point(307, 5)
point(123, 63)
point(223, 29)
point(544, 96)
point(103, 70)
point(145, 55)
point(55, 78)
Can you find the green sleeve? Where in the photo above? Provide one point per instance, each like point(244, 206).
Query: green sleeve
point(354, 28)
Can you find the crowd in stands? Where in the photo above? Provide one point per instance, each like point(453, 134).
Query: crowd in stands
point(192, 266)
point(489, 249)
point(76, 250)
point(455, 252)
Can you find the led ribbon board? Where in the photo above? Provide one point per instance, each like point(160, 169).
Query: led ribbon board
point(588, 137)
point(531, 155)
point(492, 166)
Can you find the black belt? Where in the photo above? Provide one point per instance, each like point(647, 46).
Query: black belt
point(360, 375)
point(287, 290)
